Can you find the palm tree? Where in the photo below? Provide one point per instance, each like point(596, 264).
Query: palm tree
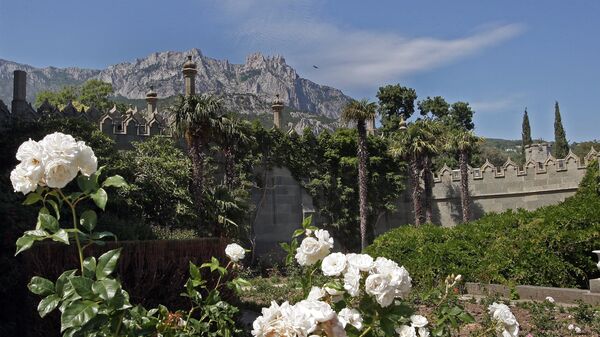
point(433, 131)
point(197, 119)
point(413, 144)
point(359, 112)
point(464, 142)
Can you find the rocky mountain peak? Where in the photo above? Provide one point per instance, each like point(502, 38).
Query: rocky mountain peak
point(255, 82)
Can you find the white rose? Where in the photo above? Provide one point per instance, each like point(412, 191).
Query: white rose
point(31, 154)
point(550, 299)
point(21, 181)
point(284, 320)
point(316, 293)
point(378, 285)
point(352, 282)
point(319, 310)
point(324, 237)
point(350, 316)
point(571, 327)
point(577, 329)
point(423, 332)
point(501, 313)
point(60, 146)
point(59, 172)
point(86, 159)
point(406, 331)
point(235, 252)
point(418, 321)
point(334, 264)
point(310, 251)
point(362, 262)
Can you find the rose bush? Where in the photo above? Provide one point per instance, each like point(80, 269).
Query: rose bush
point(90, 299)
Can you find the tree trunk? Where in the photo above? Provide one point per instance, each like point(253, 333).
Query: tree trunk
point(465, 197)
point(230, 177)
point(416, 190)
point(428, 182)
point(362, 181)
point(197, 157)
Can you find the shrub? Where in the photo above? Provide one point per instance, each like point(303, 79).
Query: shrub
point(550, 246)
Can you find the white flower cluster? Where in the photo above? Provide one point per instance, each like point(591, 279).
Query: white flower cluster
point(417, 327)
point(313, 249)
point(303, 319)
point(385, 280)
point(235, 252)
point(501, 313)
point(574, 328)
point(54, 162)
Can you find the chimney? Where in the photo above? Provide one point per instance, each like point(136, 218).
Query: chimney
point(277, 108)
point(151, 98)
point(189, 75)
point(19, 91)
point(371, 126)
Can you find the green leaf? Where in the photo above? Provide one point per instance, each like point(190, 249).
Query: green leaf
point(41, 286)
point(87, 184)
point(55, 207)
point(195, 272)
point(37, 234)
point(306, 222)
point(47, 222)
point(82, 286)
point(88, 220)
point(107, 263)
point(106, 289)
point(32, 198)
point(62, 280)
point(61, 236)
point(23, 243)
point(89, 267)
point(101, 235)
point(47, 304)
point(297, 233)
point(100, 197)
point(116, 181)
point(78, 314)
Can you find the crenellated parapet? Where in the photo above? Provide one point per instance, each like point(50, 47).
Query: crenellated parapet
point(512, 169)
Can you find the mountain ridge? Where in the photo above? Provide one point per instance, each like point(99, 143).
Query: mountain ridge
point(247, 87)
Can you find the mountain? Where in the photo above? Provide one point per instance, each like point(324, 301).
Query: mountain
point(245, 88)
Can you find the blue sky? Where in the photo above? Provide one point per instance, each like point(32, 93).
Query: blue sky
point(501, 56)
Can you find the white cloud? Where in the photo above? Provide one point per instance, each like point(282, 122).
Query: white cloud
point(347, 58)
point(511, 103)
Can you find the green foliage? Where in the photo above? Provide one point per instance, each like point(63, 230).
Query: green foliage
point(395, 103)
point(95, 93)
point(59, 98)
point(561, 146)
point(547, 247)
point(525, 133)
point(159, 176)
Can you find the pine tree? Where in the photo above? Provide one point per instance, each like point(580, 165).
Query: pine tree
point(525, 134)
point(561, 147)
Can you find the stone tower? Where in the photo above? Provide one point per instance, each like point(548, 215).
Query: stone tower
point(19, 102)
point(277, 108)
point(538, 152)
point(151, 99)
point(189, 75)
point(370, 126)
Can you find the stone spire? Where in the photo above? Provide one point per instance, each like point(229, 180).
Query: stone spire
point(151, 98)
point(277, 108)
point(189, 74)
point(19, 92)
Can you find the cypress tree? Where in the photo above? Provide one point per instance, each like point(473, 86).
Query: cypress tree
point(525, 134)
point(561, 147)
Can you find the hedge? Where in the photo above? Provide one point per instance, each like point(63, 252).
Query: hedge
point(550, 246)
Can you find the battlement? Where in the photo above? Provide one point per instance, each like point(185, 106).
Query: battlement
point(511, 169)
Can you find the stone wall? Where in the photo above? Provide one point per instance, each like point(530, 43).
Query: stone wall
point(497, 189)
